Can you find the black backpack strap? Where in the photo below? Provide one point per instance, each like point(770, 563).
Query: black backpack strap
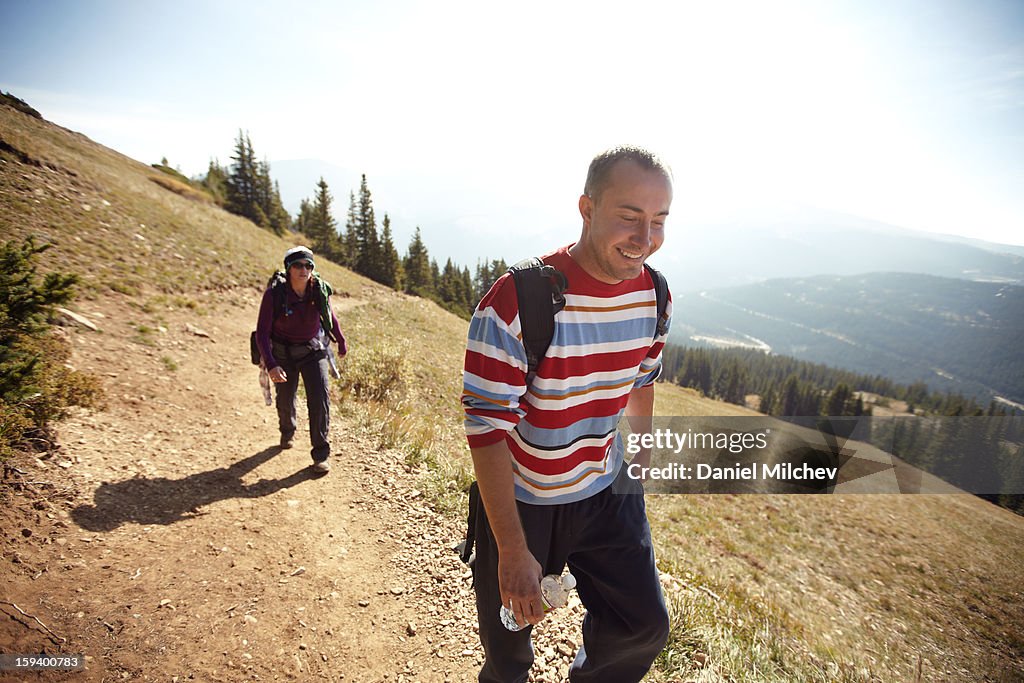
point(465, 549)
point(276, 284)
point(540, 289)
point(661, 295)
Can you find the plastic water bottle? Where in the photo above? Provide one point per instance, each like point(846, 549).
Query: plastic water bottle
point(265, 383)
point(554, 593)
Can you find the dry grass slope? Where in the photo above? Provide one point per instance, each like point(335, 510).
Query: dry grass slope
point(852, 588)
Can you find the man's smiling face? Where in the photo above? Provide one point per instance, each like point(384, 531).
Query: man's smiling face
point(624, 224)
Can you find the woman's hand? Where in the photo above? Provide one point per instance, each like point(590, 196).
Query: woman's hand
point(277, 375)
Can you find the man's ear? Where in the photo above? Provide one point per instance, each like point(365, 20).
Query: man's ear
point(586, 209)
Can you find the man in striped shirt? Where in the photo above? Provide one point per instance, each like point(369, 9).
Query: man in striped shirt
point(545, 445)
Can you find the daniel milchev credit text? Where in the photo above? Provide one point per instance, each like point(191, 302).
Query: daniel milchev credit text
point(734, 442)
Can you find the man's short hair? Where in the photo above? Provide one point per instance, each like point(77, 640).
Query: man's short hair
point(601, 166)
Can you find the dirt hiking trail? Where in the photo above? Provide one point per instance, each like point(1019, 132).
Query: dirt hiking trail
point(169, 539)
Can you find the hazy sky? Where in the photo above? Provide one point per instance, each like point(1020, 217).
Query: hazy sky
point(908, 112)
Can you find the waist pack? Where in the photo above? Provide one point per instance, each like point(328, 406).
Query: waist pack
point(291, 352)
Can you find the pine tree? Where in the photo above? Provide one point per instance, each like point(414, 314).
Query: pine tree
point(858, 406)
point(916, 393)
point(487, 273)
point(469, 297)
point(321, 227)
point(418, 278)
point(251, 193)
point(455, 290)
point(242, 181)
point(687, 376)
point(391, 264)
point(483, 274)
point(269, 200)
point(279, 218)
point(447, 287)
point(264, 189)
point(304, 219)
point(259, 217)
point(350, 240)
point(325, 217)
point(704, 373)
point(435, 277)
point(1013, 482)
point(697, 371)
point(790, 397)
point(24, 306)
point(810, 400)
point(735, 384)
point(952, 451)
point(36, 385)
point(836, 405)
point(216, 182)
point(368, 261)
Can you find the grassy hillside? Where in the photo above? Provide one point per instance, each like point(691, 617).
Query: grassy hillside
point(762, 588)
point(856, 587)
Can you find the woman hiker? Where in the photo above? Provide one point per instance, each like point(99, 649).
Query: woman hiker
point(296, 324)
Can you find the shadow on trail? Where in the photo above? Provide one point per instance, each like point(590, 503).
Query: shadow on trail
point(165, 501)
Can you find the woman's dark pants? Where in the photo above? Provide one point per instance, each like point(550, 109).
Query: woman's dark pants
point(313, 368)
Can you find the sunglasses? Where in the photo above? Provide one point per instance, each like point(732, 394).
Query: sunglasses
point(305, 265)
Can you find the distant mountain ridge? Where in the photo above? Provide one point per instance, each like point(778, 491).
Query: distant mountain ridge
point(955, 335)
point(760, 247)
point(1013, 249)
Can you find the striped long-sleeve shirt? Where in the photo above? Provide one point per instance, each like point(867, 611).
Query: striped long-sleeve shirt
point(561, 427)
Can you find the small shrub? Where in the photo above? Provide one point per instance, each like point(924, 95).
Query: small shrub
point(172, 172)
point(377, 373)
point(59, 386)
point(14, 425)
point(145, 335)
point(182, 188)
point(124, 287)
point(36, 386)
point(184, 302)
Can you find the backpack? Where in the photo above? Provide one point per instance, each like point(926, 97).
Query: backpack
point(540, 289)
point(322, 291)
